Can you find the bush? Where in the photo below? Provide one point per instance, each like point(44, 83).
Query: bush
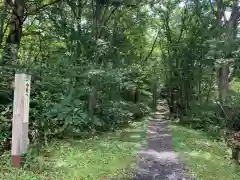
point(205, 117)
point(59, 105)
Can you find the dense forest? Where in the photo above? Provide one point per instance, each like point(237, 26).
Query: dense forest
point(97, 65)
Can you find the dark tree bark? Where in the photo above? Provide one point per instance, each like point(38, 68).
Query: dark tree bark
point(3, 19)
point(235, 155)
point(15, 32)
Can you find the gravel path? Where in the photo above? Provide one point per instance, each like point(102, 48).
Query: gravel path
point(157, 160)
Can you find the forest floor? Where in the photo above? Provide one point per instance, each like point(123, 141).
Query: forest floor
point(206, 157)
point(107, 155)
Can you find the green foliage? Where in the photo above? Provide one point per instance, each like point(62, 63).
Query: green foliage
point(85, 78)
point(206, 117)
point(232, 113)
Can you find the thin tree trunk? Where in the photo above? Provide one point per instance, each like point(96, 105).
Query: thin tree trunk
point(223, 82)
point(235, 155)
point(152, 48)
point(154, 94)
point(210, 88)
point(15, 33)
point(3, 17)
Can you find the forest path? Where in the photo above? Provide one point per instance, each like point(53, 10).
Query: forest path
point(157, 160)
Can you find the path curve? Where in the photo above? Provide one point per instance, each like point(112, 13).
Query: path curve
point(157, 160)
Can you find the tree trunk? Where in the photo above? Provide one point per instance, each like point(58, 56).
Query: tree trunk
point(172, 101)
point(3, 16)
point(223, 81)
point(15, 33)
point(154, 95)
point(92, 102)
point(235, 155)
point(210, 86)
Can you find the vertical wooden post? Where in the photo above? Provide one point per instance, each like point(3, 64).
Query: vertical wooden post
point(20, 117)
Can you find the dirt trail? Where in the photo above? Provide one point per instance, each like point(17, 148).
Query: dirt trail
point(157, 160)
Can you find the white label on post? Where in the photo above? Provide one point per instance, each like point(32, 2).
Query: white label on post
point(27, 87)
point(27, 97)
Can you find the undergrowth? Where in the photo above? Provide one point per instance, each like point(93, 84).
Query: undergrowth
point(110, 155)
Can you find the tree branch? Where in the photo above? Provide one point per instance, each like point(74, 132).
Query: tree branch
point(153, 47)
point(235, 12)
point(183, 24)
point(2, 35)
point(37, 10)
point(167, 27)
point(212, 8)
point(31, 33)
point(105, 22)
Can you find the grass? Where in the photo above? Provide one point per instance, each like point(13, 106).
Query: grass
point(207, 158)
point(108, 155)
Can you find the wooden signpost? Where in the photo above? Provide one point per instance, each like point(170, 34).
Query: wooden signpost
point(20, 117)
